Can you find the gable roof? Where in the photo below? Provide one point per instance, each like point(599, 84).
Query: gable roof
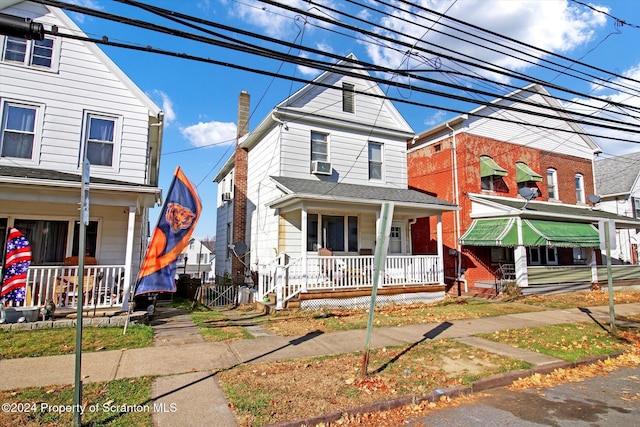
point(291, 109)
point(617, 175)
point(294, 105)
point(480, 120)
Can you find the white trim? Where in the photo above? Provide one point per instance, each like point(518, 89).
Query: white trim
point(37, 131)
point(117, 138)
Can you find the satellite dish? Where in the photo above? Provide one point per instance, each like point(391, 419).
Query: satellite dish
point(528, 193)
point(594, 198)
point(240, 248)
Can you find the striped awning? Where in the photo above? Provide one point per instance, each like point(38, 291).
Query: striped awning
point(537, 232)
point(491, 232)
point(504, 232)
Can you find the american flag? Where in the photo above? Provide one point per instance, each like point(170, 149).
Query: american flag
point(15, 268)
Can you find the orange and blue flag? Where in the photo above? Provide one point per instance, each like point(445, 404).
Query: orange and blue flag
point(176, 223)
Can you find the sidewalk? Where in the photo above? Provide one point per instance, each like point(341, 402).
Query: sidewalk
point(186, 365)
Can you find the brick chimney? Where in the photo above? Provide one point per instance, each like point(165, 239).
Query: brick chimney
point(240, 188)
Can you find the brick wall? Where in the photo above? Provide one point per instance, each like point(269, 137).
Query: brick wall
point(430, 169)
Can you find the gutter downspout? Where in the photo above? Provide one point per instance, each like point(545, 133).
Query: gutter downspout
point(456, 194)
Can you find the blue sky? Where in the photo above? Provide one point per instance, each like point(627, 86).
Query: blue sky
point(200, 99)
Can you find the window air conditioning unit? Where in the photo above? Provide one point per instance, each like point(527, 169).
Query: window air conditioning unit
point(321, 168)
point(226, 197)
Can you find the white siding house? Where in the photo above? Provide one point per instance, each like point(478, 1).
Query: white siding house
point(318, 169)
point(618, 186)
point(62, 99)
point(196, 260)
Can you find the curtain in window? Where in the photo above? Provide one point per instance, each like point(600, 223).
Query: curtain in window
point(100, 144)
point(18, 129)
point(48, 239)
point(375, 161)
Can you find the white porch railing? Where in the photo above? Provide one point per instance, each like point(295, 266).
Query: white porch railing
point(102, 287)
point(334, 273)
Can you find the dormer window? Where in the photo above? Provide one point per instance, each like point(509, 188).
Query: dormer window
point(348, 98)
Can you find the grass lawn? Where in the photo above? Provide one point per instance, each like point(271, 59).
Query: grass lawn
point(116, 403)
point(55, 341)
point(569, 342)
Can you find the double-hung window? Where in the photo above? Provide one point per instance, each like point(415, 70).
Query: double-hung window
point(18, 130)
point(33, 53)
point(552, 183)
point(375, 161)
point(319, 147)
point(579, 188)
point(100, 139)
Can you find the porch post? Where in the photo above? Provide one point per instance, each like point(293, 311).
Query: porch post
point(303, 248)
point(520, 258)
point(440, 250)
point(593, 263)
point(128, 257)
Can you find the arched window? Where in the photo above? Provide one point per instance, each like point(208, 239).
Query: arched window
point(580, 188)
point(552, 183)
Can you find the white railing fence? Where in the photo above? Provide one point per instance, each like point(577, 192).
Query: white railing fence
point(333, 273)
point(103, 286)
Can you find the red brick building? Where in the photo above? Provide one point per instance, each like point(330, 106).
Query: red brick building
point(485, 164)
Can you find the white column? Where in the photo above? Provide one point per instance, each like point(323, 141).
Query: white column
point(440, 250)
point(593, 263)
point(304, 232)
point(520, 258)
point(128, 257)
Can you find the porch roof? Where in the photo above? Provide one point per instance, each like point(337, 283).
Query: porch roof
point(504, 232)
point(491, 232)
point(297, 189)
point(13, 179)
point(495, 206)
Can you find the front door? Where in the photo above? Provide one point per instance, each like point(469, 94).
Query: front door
point(396, 238)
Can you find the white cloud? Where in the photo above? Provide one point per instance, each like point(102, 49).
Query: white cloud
point(167, 107)
point(602, 108)
point(557, 26)
point(274, 21)
point(438, 117)
point(210, 133)
point(80, 17)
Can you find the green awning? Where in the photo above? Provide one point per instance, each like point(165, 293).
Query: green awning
point(488, 167)
point(537, 232)
point(491, 232)
point(524, 173)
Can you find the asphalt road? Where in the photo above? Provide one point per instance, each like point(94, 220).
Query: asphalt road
point(613, 400)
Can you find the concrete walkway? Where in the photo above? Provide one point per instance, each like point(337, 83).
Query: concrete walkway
point(187, 382)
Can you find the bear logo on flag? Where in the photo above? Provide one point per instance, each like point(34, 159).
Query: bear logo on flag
point(179, 217)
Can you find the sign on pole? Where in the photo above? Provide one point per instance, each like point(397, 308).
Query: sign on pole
point(386, 215)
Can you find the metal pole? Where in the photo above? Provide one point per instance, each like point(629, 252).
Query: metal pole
point(386, 215)
point(607, 243)
point(84, 219)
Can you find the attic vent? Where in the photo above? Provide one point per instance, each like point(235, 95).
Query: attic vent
point(348, 98)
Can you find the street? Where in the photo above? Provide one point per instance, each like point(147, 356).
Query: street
point(613, 400)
